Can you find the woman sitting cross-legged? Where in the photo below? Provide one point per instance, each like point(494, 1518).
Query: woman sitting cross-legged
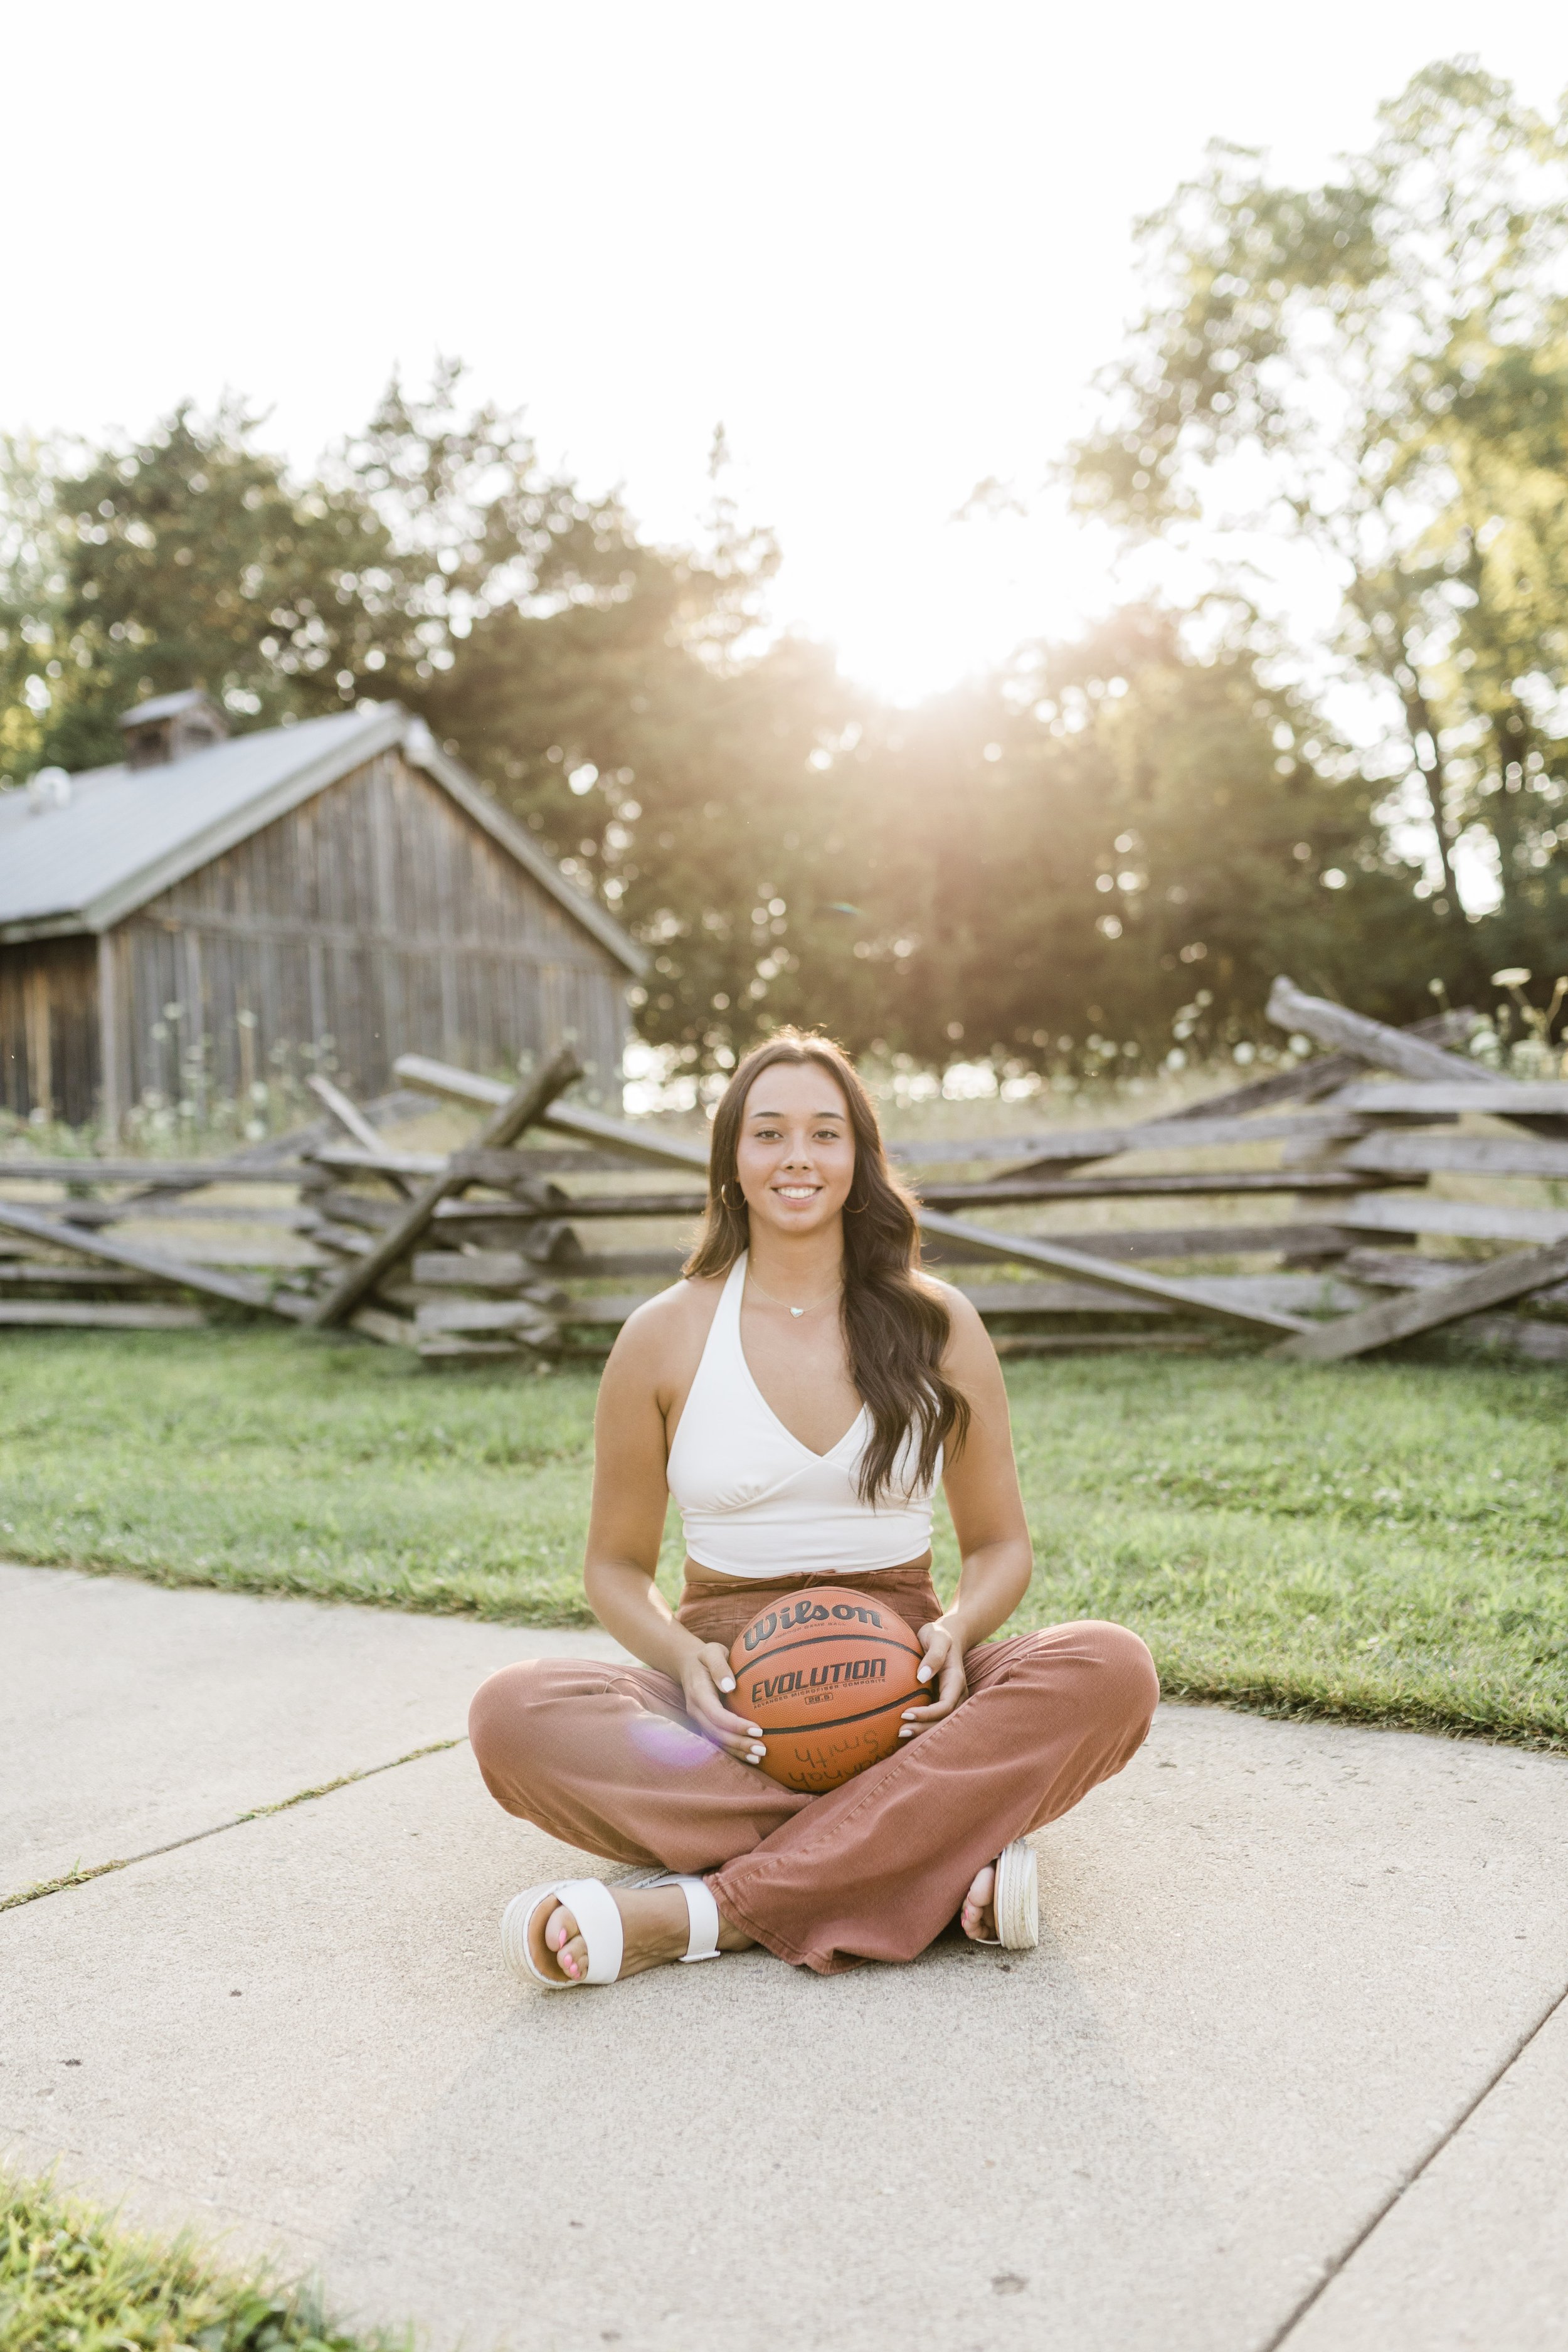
point(800, 1392)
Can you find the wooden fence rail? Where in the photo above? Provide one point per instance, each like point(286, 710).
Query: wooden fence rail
point(479, 1253)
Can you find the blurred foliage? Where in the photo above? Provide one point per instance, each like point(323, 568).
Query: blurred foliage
point(1107, 840)
point(186, 559)
point(1380, 366)
point(73, 2280)
point(190, 558)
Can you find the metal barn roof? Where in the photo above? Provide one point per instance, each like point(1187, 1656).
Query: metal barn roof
point(126, 834)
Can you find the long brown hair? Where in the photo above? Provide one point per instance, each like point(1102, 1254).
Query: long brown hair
point(896, 1330)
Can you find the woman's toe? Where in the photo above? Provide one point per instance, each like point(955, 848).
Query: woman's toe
point(977, 1903)
point(561, 1939)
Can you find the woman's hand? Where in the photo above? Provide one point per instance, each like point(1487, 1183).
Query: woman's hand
point(943, 1643)
point(705, 1675)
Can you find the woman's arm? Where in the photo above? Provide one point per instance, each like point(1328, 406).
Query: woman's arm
point(626, 1526)
point(981, 1483)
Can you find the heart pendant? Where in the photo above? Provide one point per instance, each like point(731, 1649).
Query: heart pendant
point(797, 1310)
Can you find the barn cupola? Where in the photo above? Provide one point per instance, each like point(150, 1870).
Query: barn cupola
point(171, 726)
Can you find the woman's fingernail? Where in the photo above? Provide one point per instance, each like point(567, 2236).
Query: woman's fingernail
point(923, 1674)
point(728, 1683)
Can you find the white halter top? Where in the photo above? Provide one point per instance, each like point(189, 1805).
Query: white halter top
point(754, 1501)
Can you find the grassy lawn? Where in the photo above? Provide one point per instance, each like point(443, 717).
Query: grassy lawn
point(1384, 1542)
point(68, 2278)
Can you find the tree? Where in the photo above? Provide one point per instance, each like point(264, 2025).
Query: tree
point(192, 558)
point(1114, 838)
point(672, 767)
point(187, 559)
point(682, 790)
point(1386, 352)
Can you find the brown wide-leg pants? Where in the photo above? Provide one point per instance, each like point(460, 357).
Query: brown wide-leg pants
point(604, 1757)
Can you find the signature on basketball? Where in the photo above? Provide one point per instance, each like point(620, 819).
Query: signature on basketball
point(823, 1764)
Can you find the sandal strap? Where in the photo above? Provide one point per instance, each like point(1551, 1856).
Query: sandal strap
point(598, 1918)
point(701, 1912)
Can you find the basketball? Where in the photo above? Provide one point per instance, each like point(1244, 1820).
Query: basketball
point(828, 1674)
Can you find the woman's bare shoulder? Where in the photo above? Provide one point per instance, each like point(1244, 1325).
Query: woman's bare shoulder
point(959, 1305)
point(668, 1323)
point(970, 1352)
point(661, 1344)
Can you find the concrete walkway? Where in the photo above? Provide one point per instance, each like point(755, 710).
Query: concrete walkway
point(1288, 2069)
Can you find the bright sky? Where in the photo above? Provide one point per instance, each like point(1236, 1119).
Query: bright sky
point(885, 242)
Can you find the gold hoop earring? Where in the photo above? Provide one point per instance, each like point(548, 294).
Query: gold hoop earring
point(850, 1212)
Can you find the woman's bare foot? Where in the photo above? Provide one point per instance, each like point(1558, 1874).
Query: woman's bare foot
point(978, 1918)
point(655, 1925)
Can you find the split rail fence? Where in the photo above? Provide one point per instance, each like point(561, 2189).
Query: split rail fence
point(514, 1248)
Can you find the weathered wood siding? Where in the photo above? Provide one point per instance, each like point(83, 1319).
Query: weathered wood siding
point(376, 920)
point(48, 1028)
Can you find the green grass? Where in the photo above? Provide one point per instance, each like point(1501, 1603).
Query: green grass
point(68, 2278)
point(1384, 1541)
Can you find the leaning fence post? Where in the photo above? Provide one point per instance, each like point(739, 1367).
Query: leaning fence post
point(520, 1109)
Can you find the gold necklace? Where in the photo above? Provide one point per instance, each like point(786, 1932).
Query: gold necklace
point(826, 1295)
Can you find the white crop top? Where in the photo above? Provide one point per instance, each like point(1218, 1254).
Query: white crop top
point(754, 1501)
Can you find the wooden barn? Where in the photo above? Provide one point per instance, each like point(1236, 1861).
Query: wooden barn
point(213, 911)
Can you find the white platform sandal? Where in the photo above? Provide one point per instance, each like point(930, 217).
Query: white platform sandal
point(598, 1918)
point(1016, 1899)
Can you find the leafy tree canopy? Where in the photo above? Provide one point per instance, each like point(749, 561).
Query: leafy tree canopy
point(1380, 364)
point(1057, 866)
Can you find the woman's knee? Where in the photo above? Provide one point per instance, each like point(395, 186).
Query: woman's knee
point(1107, 1666)
point(1131, 1681)
point(503, 1721)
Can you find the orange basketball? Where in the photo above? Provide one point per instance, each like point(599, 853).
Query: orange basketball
point(828, 1674)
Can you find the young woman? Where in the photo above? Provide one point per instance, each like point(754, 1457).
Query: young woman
point(799, 1393)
